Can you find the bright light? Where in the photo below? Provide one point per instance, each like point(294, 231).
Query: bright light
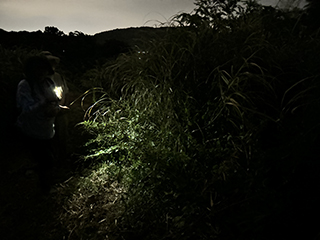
point(58, 91)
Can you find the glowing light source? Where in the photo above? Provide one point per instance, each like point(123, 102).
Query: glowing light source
point(58, 91)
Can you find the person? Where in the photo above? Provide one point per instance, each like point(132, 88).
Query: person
point(62, 87)
point(61, 121)
point(38, 105)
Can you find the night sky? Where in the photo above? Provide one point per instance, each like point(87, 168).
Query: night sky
point(92, 16)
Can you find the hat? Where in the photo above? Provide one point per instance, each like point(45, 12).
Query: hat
point(54, 61)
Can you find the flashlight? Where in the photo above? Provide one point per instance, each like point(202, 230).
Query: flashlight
point(58, 91)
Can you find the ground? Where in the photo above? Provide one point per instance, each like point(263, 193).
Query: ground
point(25, 211)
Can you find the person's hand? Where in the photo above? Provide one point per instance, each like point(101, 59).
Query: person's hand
point(52, 109)
point(64, 107)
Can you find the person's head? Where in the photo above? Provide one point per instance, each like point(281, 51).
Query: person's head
point(54, 61)
point(37, 68)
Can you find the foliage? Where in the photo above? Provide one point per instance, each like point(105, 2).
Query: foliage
point(93, 204)
point(78, 52)
point(205, 118)
point(53, 31)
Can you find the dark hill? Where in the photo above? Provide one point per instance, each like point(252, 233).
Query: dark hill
point(131, 36)
point(128, 36)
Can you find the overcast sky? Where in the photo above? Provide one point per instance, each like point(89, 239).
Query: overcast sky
point(88, 16)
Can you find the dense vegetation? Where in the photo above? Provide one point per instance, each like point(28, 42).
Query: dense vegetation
point(209, 132)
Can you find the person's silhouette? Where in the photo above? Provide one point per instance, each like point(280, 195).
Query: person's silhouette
point(38, 106)
point(61, 121)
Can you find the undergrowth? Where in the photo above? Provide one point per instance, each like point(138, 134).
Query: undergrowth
point(196, 125)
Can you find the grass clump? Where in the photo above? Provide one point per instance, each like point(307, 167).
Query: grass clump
point(91, 203)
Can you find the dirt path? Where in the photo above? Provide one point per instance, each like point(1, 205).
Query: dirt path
point(25, 211)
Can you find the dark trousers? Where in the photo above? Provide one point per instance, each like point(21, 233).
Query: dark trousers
point(41, 152)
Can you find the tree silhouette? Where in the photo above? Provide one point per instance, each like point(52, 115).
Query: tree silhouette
point(53, 31)
point(76, 34)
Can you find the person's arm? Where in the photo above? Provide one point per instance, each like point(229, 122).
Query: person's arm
point(25, 100)
point(27, 103)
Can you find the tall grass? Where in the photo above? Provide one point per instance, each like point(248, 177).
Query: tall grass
point(200, 124)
